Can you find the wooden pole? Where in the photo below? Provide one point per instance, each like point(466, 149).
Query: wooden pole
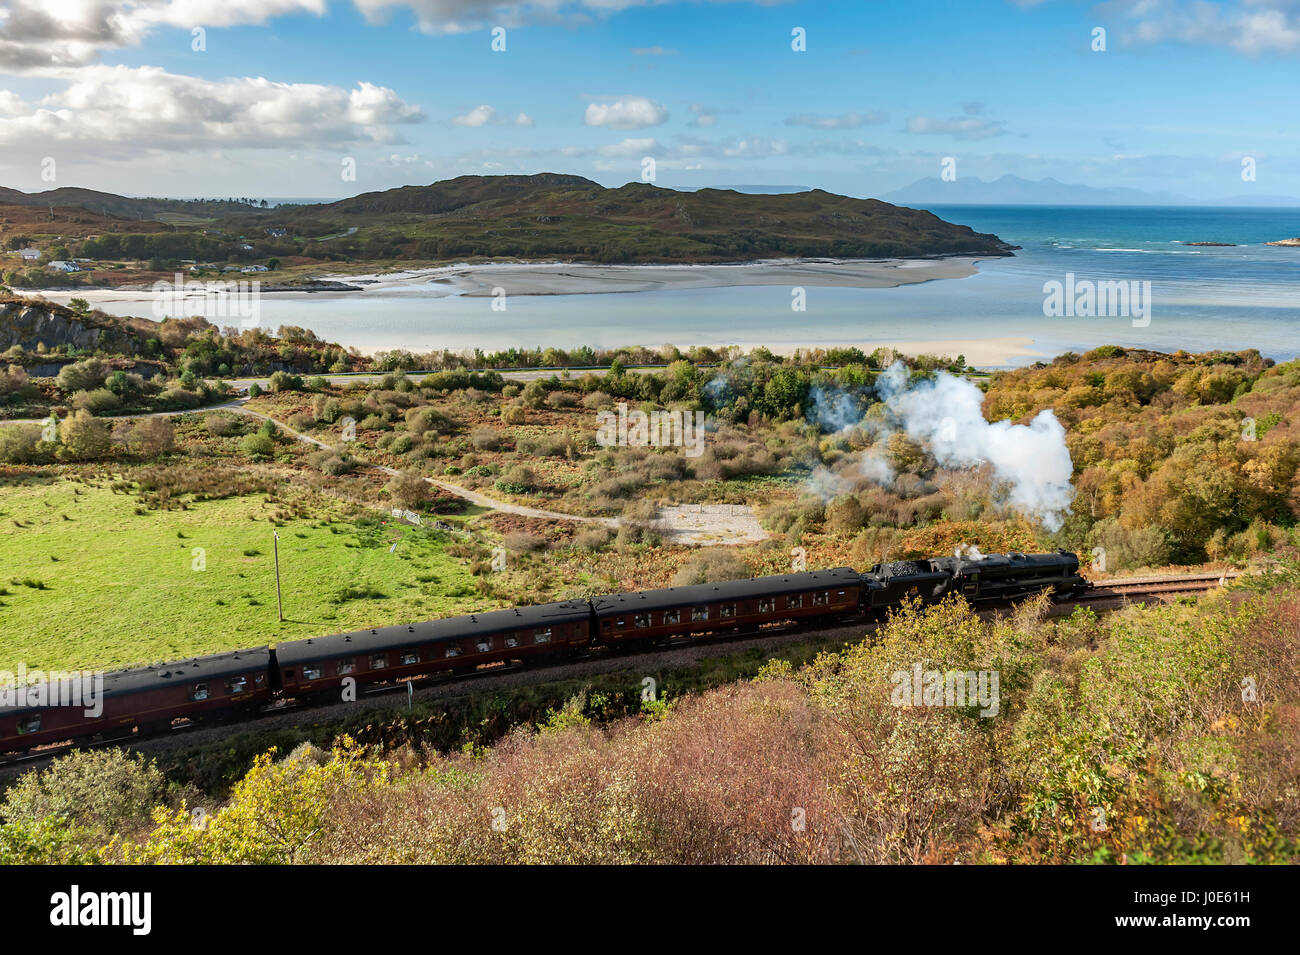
point(279, 601)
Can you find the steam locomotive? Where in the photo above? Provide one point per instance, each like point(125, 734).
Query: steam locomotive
point(228, 686)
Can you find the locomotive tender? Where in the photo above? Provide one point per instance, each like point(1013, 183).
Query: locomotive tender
point(146, 700)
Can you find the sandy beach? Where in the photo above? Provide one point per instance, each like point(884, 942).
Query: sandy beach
point(567, 278)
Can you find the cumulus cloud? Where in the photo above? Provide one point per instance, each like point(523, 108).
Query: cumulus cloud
point(41, 34)
point(630, 112)
point(124, 109)
point(478, 116)
point(1252, 27)
point(843, 121)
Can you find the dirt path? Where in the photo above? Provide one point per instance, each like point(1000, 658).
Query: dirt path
point(692, 525)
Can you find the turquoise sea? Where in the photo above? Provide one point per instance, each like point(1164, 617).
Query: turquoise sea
point(1203, 298)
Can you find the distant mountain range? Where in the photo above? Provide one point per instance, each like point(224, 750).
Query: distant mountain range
point(1012, 190)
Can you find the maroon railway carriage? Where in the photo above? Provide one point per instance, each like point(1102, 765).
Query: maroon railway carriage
point(320, 664)
point(147, 699)
point(651, 615)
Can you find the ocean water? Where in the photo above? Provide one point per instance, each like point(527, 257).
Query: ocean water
point(1202, 298)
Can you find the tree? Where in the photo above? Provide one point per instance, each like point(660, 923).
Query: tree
point(84, 436)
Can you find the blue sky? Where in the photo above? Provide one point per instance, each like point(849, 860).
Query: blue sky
point(283, 93)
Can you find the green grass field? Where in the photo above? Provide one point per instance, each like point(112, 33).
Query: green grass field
point(86, 582)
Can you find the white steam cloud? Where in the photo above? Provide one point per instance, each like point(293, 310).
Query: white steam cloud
point(944, 413)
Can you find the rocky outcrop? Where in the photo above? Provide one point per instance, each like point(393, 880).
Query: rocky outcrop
point(1284, 242)
point(31, 324)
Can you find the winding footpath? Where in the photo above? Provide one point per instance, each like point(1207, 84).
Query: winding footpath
point(474, 497)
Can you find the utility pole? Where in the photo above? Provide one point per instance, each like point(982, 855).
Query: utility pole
point(279, 601)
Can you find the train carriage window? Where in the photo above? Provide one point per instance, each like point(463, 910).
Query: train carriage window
point(346, 665)
point(700, 613)
point(727, 610)
point(452, 651)
point(408, 657)
point(642, 620)
point(794, 601)
point(543, 635)
point(820, 598)
point(672, 616)
point(29, 724)
point(236, 684)
point(620, 623)
point(199, 691)
point(311, 673)
point(767, 605)
point(511, 643)
point(484, 645)
point(260, 679)
point(378, 661)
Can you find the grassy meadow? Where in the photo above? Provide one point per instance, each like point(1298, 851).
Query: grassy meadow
point(90, 579)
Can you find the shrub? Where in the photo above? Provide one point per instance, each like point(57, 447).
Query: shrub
point(1129, 548)
point(409, 490)
point(105, 791)
point(81, 376)
point(13, 380)
point(521, 542)
point(283, 381)
point(84, 437)
point(19, 443)
point(258, 445)
point(486, 439)
point(710, 565)
point(97, 402)
point(151, 437)
point(254, 390)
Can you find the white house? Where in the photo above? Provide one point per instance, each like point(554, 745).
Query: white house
point(254, 268)
point(62, 266)
point(30, 255)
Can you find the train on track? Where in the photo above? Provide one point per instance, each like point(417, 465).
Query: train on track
point(230, 686)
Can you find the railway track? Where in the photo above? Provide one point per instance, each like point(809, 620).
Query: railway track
point(1105, 595)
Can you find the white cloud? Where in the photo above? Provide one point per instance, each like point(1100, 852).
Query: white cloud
point(652, 51)
point(844, 121)
point(1252, 27)
point(123, 110)
point(631, 147)
point(478, 116)
point(969, 127)
point(630, 112)
point(705, 116)
point(463, 16)
point(486, 115)
point(46, 34)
